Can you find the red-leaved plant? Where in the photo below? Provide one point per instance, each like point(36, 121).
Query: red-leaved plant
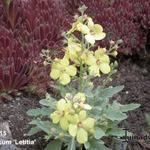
point(26, 28)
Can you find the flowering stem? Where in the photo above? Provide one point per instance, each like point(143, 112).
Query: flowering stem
point(81, 76)
point(81, 66)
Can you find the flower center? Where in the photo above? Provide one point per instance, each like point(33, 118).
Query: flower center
point(79, 124)
point(98, 62)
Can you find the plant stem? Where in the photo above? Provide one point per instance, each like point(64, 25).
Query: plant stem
point(81, 147)
point(81, 76)
point(81, 67)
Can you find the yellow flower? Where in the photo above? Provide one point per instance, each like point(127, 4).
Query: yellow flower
point(81, 127)
point(78, 101)
point(96, 32)
point(83, 28)
point(99, 61)
point(91, 31)
point(73, 51)
point(62, 70)
point(88, 57)
point(79, 97)
point(62, 114)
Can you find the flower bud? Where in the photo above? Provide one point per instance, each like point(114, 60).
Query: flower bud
point(112, 42)
point(87, 107)
point(114, 53)
point(119, 41)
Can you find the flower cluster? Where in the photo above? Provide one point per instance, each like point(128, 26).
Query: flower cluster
point(80, 39)
point(71, 114)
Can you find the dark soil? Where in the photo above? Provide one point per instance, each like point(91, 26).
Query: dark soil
point(136, 79)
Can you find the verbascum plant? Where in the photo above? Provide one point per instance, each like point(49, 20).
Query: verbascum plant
point(83, 115)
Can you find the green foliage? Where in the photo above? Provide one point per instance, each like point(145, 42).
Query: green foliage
point(71, 145)
point(54, 145)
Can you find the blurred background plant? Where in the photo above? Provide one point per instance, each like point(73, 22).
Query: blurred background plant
point(26, 28)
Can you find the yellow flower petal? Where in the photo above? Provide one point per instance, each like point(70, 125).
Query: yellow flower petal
point(88, 123)
point(100, 52)
point(71, 70)
point(68, 106)
point(55, 117)
point(74, 46)
point(82, 136)
point(86, 106)
point(99, 36)
point(64, 123)
point(94, 70)
point(97, 28)
point(79, 97)
point(105, 68)
point(82, 115)
point(61, 104)
point(90, 23)
point(55, 74)
point(64, 62)
point(90, 59)
point(83, 28)
point(74, 119)
point(90, 38)
point(68, 96)
point(73, 55)
point(98, 32)
point(73, 130)
point(56, 64)
point(64, 79)
point(104, 58)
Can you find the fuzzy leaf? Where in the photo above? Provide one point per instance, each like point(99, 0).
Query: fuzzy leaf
point(116, 132)
point(71, 145)
point(44, 126)
point(39, 111)
point(108, 92)
point(33, 131)
point(96, 145)
point(54, 145)
point(45, 102)
point(113, 112)
point(115, 115)
point(99, 133)
point(126, 108)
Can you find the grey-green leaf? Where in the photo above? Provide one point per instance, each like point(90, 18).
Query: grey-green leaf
point(87, 145)
point(45, 102)
point(54, 145)
point(115, 115)
point(44, 125)
point(116, 132)
point(109, 92)
point(96, 145)
point(33, 131)
point(39, 111)
point(99, 133)
point(128, 107)
point(71, 145)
